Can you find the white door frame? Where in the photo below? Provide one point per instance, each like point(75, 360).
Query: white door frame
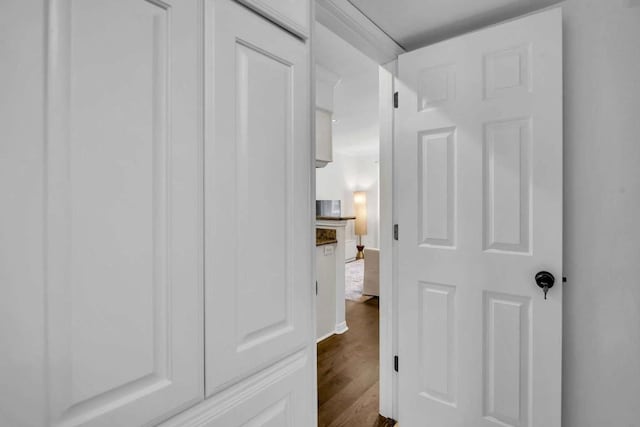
point(350, 24)
point(388, 246)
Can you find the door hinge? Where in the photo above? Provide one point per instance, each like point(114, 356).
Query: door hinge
point(395, 363)
point(395, 100)
point(395, 231)
point(316, 287)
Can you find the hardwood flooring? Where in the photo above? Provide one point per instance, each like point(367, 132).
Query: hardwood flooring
point(348, 371)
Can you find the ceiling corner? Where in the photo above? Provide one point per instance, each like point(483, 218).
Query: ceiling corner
point(345, 20)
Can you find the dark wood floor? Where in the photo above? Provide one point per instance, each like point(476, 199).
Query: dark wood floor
point(348, 371)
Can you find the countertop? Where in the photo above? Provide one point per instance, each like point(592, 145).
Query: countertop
point(335, 218)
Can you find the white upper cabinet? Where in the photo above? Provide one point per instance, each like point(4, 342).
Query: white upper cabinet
point(124, 256)
point(294, 15)
point(326, 81)
point(110, 169)
point(257, 200)
point(122, 216)
point(324, 144)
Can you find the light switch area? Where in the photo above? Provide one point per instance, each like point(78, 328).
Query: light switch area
point(328, 250)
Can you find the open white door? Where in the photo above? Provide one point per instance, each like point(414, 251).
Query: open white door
point(479, 179)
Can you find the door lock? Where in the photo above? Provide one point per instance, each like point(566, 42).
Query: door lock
point(545, 280)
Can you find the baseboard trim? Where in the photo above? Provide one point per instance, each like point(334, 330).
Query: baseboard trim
point(324, 337)
point(341, 328)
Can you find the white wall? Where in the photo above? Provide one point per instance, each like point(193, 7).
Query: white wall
point(346, 174)
point(601, 370)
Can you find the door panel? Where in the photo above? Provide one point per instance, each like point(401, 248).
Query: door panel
point(479, 172)
point(437, 202)
point(506, 183)
point(258, 240)
point(506, 380)
point(437, 342)
point(120, 169)
point(123, 200)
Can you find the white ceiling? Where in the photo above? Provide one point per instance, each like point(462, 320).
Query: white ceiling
point(416, 23)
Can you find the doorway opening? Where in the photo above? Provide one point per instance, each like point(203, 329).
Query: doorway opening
point(348, 233)
point(467, 83)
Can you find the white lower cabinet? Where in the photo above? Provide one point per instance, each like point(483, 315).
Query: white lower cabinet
point(276, 397)
point(156, 223)
point(326, 291)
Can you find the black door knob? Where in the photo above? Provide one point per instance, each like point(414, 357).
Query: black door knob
point(545, 280)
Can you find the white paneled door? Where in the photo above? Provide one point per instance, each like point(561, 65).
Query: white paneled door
point(258, 213)
point(479, 179)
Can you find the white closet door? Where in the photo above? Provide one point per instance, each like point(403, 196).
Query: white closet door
point(121, 342)
point(479, 172)
point(258, 204)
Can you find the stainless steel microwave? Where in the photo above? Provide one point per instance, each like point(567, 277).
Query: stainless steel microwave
point(328, 208)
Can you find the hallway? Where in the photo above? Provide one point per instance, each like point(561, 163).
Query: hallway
point(348, 371)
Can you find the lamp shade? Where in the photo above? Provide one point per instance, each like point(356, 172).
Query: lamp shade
point(360, 209)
